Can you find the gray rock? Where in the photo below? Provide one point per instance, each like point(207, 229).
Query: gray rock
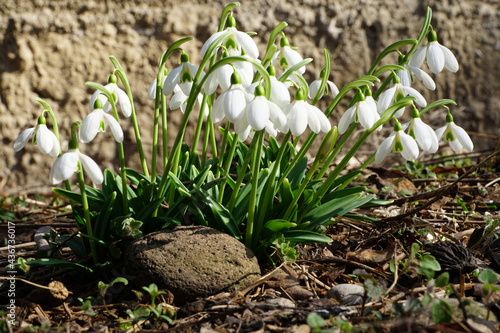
point(347, 294)
point(191, 262)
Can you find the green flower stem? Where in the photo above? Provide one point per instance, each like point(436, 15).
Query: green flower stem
point(241, 175)
point(88, 222)
point(123, 78)
point(164, 129)
point(223, 148)
point(253, 192)
point(155, 128)
point(229, 160)
point(338, 146)
point(123, 170)
point(199, 124)
point(271, 188)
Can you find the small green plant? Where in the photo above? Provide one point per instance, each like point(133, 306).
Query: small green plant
point(488, 277)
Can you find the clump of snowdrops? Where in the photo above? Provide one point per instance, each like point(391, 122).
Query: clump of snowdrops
point(254, 183)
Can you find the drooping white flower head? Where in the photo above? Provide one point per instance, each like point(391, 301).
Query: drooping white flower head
point(260, 114)
point(316, 84)
point(279, 90)
point(455, 135)
point(96, 122)
point(301, 114)
point(118, 95)
point(222, 75)
point(363, 111)
point(286, 57)
point(397, 142)
point(182, 75)
point(72, 161)
point(422, 133)
point(394, 93)
point(42, 137)
point(232, 102)
point(406, 77)
point(237, 40)
point(180, 100)
point(436, 55)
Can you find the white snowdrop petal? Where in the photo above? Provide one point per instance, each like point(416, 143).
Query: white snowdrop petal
point(435, 57)
point(115, 127)
point(279, 92)
point(410, 147)
point(385, 100)
point(314, 88)
point(45, 139)
point(218, 109)
point(366, 116)
point(23, 138)
point(324, 123)
point(90, 126)
point(247, 43)
point(152, 90)
point(420, 100)
point(91, 169)
point(418, 57)
point(425, 78)
point(333, 88)
point(450, 62)
point(64, 167)
point(440, 131)
point(177, 99)
point(234, 104)
point(313, 121)
point(293, 57)
point(93, 98)
point(462, 137)
point(384, 149)
point(124, 103)
point(209, 42)
point(297, 119)
point(171, 81)
point(258, 113)
point(347, 119)
point(277, 117)
point(456, 146)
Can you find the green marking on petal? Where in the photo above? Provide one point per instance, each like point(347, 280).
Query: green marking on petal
point(186, 77)
point(102, 126)
point(449, 137)
point(231, 44)
point(398, 147)
point(283, 63)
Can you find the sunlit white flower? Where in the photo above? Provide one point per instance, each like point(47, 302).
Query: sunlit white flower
point(118, 94)
point(397, 142)
point(286, 57)
point(363, 111)
point(96, 122)
point(301, 114)
point(410, 72)
point(72, 161)
point(422, 133)
point(232, 102)
point(279, 90)
point(42, 137)
point(261, 113)
point(182, 75)
point(436, 55)
point(180, 100)
point(237, 40)
point(222, 75)
point(394, 93)
point(316, 84)
point(455, 135)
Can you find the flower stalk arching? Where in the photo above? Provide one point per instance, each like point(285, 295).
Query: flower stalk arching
point(121, 152)
point(124, 80)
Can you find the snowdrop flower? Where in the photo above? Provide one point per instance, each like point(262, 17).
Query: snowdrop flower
point(397, 142)
point(437, 56)
point(96, 122)
point(286, 57)
point(117, 93)
point(222, 75)
point(406, 77)
point(71, 162)
point(180, 100)
point(422, 133)
point(262, 113)
point(279, 90)
point(237, 40)
point(363, 111)
point(301, 114)
point(232, 102)
point(315, 85)
point(455, 135)
point(182, 75)
point(393, 94)
point(42, 137)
